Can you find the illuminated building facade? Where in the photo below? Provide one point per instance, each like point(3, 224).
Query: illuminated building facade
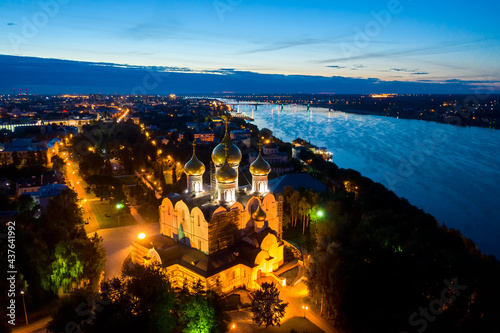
point(227, 237)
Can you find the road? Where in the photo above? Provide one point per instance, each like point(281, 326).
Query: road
point(78, 184)
point(117, 242)
point(36, 327)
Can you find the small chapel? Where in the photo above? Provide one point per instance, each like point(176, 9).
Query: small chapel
point(225, 235)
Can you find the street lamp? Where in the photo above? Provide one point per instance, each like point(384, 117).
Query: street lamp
point(141, 235)
point(304, 307)
point(320, 213)
point(24, 304)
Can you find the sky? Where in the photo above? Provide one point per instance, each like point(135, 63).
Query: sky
point(412, 41)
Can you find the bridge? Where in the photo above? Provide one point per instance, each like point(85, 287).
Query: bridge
point(64, 122)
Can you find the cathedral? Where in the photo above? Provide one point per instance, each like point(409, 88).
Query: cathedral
point(225, 235)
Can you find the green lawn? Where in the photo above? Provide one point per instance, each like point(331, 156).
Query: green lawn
point(297, 323)
point(127, 180)
point(295, 235)
point(107, 216)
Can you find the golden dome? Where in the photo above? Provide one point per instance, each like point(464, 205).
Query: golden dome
point(194, 167)
point(226, 174)
point(233, 154)
point(259, 215)
point(260, 167)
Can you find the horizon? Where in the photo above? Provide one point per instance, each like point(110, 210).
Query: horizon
point(414, 44)
point(56, 76)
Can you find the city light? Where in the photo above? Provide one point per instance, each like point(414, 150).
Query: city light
point(119, 206)
point(320, 213)
point(141, 235)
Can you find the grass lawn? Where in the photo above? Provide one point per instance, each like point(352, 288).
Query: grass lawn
point(297, 323)
point(294, 235)
point(107, 216)
point(127, 180)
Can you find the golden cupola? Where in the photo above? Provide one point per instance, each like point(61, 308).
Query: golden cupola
point(194, 167)
point(260, 167)
point(226, 174)
point(233, 154)
point(259, 215)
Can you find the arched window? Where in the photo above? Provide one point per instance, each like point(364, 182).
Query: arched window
point(199, 223)
point(183, 215)
point(234, 275)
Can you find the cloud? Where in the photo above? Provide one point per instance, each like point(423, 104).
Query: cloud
point(11, 23)
point(410, 71)
point(122, 78)
point(287, 44)
point(404, 70)
point(336, 67)
point(355, 67)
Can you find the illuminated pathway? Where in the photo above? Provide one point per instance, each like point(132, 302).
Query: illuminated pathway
point(77, 184)
point(117, 242)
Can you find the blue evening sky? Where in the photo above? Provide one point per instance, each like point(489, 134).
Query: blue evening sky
point(418, 40)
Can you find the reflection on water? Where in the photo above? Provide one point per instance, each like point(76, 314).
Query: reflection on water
point(451, 172)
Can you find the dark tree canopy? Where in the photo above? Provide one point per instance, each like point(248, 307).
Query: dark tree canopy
point(267, 307)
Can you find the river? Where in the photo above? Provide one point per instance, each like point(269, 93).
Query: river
point(451, 172)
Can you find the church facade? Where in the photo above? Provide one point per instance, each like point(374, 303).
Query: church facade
point(226, 236)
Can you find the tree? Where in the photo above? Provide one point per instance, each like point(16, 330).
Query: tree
point(267, 307)
point(57, 163)
point(66, 269)
point(293, 201)
point(304, 207)
point(200, 311)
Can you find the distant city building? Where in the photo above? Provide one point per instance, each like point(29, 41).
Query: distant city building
point(45, 193)
point(191, 125)
point(218, 120)
point(299, 144)
point(23, 149)
point(204, 137)
point(241, 134)
point(278, 160)
point(33, 184)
